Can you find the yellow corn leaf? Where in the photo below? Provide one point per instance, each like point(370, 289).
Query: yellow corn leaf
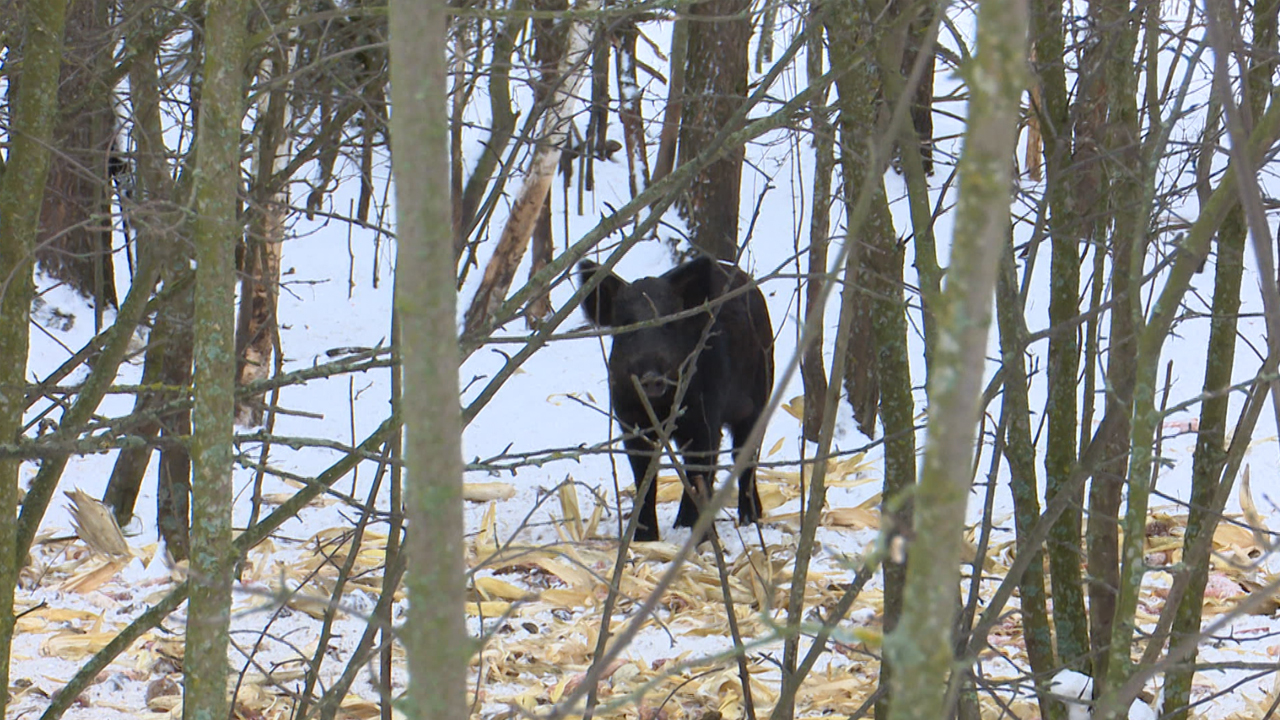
point(557, 691)
point(597, 514)
point(771, 496)
point(1252, 517)
point(488, 608)
point(484, 492)
point(786, 477)
point(669, 488)
point(568, 494)
point(572, 575)
point(487, 537)
point(561, 597)
point(96, 526)
point(277, 498)
point(75, 645)
point(870, 637)
point(1230, 536)
point(311, 605)
point(491, 587)
point(331, 535)
point(871, 503)
point(84, 582)
point(358, 708)
point(1268, 607)
point(855, 517)
point(795, 407)
point(839, 470)
point(38, 620)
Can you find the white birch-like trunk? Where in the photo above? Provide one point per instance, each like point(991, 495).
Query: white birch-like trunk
point(537, 183)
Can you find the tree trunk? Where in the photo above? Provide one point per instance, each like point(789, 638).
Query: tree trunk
point(528, 205)
point(75, 221)
point(85, 403)
point(502, 124)
point(671, 114)
point(256, 334)
point(812, 366)
point(156, 221)
point(631, 107)
point(1065, 228)
point(32, 114)
point(877, 374)
point(1108, 108)
point(173, 483)
point(76, 417)
point(715, 87)
point(1211, 452)
point(853, 36)
point(1020, 453)
point(435, 636)
point(1246, 160)
point(217, 229)
point(549, 52)
point(922, 101)
point(921, 646)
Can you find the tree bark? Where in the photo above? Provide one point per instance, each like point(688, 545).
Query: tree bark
point(256, 330)
point(528, 205)
point(95, 387)
point(435, 636)
point(1065, 227)
point(854, 39)
point(1164, 310)
point(156, 221)
point(671, 114)
point(32, 114)
point(630, 111)
point(715, 87)
point(1020, 453)
point(74, 244)
point(1108, 109)
point(1211, 451)
point(1105, 108)
point(922, 101)
point(812, 366)
point(921, 646)
point(217, 229)
point(501, 126)
point(549, 52)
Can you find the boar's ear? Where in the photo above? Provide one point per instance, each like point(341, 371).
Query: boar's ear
point(693, 281)
point(598, 304)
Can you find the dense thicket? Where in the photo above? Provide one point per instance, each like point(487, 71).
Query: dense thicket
point(1098, 191)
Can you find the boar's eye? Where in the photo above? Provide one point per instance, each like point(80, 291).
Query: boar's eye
point(624, 315)
point(654, 312)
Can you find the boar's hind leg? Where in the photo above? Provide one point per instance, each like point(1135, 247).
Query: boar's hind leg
point(643, 454)
point(749, 508)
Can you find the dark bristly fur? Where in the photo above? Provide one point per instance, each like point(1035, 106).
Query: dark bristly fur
point(726, 383)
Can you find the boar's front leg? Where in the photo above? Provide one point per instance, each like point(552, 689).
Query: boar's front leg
point(700, 452)
point(642, 452)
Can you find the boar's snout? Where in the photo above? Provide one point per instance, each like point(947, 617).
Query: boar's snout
point(655, 384)
point(656, 373)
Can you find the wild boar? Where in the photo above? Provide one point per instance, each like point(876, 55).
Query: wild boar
point(716, 363)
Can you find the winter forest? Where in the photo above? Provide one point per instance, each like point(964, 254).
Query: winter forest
point(644, 359)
